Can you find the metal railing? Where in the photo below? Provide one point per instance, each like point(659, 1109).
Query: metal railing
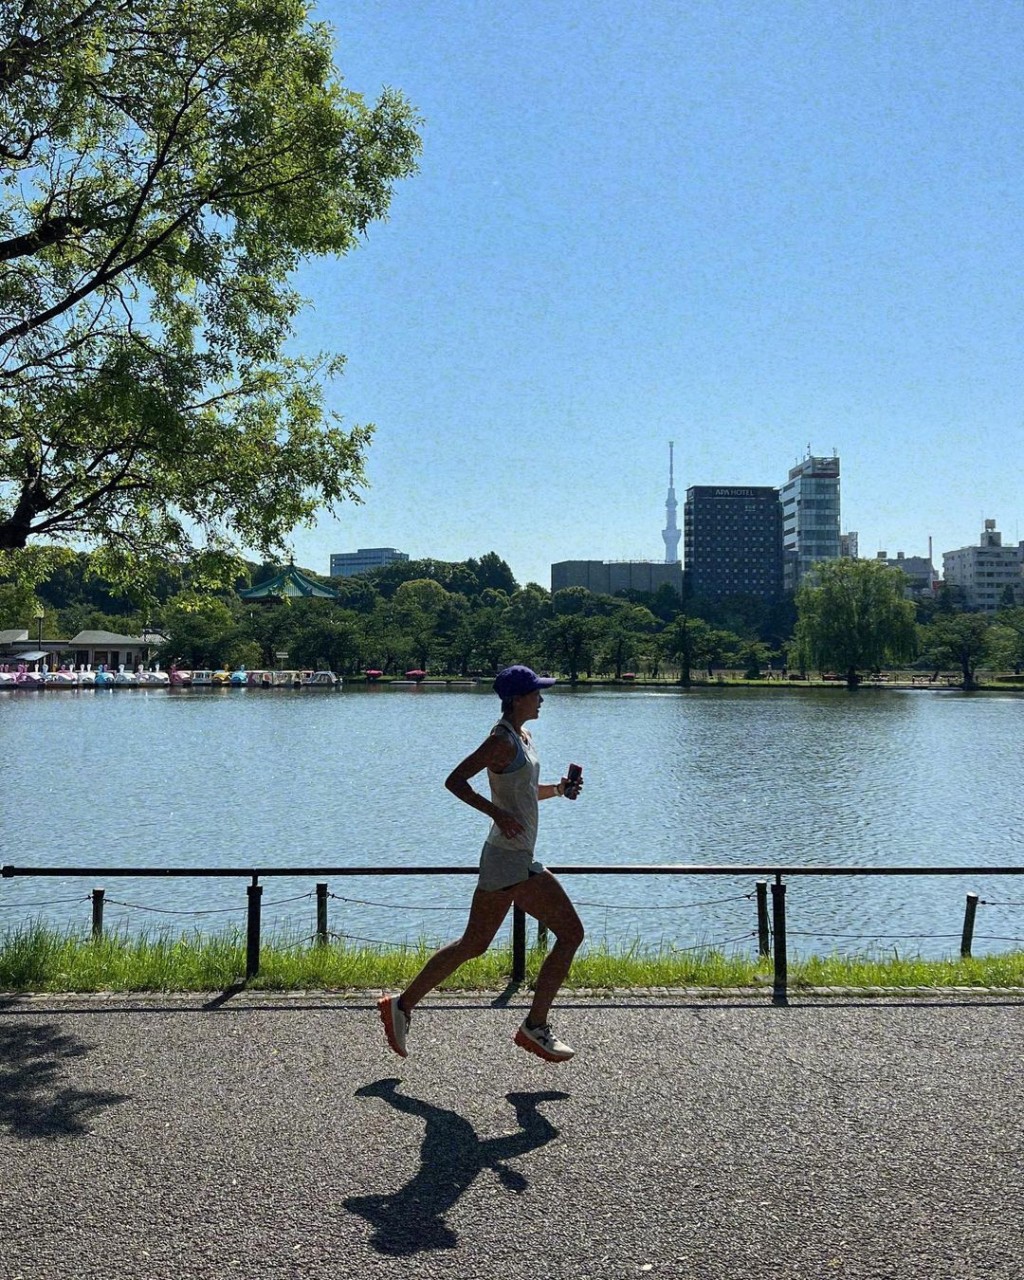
point(771, 929)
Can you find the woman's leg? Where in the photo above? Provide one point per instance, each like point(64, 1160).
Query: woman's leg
point(545, 899)
point(486, 912)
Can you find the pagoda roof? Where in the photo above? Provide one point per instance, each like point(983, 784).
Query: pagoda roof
point(289, 582)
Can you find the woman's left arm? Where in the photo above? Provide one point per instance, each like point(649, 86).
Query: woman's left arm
point(548, 790)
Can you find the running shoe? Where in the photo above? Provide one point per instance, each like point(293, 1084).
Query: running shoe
point(396, 1023)
point(544, 1043)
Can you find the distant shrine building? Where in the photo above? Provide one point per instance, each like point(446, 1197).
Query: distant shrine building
point(288, 584)
point(732, 536)
point(347, 564)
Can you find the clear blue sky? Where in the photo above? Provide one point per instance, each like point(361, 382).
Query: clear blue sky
point(747, 228)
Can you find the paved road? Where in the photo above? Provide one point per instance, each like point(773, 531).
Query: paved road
point(272, 1136)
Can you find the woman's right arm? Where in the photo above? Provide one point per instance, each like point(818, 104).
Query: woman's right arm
point(495, 753)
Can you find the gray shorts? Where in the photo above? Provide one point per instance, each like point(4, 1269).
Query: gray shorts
point(505, 868)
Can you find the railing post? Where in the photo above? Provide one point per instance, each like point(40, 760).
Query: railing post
point(779, 929)
point(764, 937)
point(97, 912)
point(321, 915)
point(252, 941)
point(967, 937)
point(518, 944)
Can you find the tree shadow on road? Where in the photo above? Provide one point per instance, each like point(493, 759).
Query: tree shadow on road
point(412, 1220)
point(34, 1102)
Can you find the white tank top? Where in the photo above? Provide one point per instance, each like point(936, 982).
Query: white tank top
point(515, 789)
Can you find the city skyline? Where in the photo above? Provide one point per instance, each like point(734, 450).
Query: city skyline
point(928, 552)
point(746, 229)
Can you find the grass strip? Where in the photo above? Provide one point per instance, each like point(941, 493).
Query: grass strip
point(38, 958)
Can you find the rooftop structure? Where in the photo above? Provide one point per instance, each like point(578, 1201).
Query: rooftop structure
point(289, 582)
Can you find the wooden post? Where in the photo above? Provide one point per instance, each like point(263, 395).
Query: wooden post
point(764, 937)
point(967, 937)
point(321, 915)
point(97, 912)
point(252, 941)
point(779, 929)
point(518, 944)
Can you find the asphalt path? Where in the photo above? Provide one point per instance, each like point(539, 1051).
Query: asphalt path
point(276, 1136)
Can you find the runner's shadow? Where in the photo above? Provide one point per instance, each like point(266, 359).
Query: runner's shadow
point(33, 1101)
point(412, 1220)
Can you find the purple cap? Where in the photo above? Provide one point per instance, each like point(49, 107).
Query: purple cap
point(514, 681)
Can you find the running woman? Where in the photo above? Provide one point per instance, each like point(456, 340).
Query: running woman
point(509, 872)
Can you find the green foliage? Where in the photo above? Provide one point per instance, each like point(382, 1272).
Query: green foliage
point(852, 618)
point(36, 958)
point(469, 577)
point(958, 640)
point(1007, 638)
point(688, 641)
point(169, 165)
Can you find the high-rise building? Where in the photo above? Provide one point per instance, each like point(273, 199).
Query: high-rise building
point(848, 545)
point(989, 573)
point(733, 541)
point(671, 531)
point(810, 517)
point(346, 564)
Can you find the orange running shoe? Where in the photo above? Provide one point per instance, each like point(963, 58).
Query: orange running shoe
point(396, 1023)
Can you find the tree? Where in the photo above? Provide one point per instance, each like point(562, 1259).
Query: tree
point(958, 640)
point(168, 165)
point(492, 571)
point(1012, 647)
point(622, 636)
point(688, 641)
point(852, 617)
point(199, 630)
point(568, 643)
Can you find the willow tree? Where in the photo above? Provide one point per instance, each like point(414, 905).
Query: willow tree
point(166, 165)
point(852, 618)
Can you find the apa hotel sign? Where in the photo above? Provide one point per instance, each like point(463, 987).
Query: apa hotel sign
point(733, 493)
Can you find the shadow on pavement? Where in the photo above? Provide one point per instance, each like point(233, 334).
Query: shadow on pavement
point(412, 1220)
point(33, 1101)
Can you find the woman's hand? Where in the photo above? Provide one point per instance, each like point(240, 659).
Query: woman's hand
point(507, 823)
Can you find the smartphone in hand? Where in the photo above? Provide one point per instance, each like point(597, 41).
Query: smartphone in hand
point(573, 780)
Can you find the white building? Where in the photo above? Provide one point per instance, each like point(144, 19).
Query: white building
point(346, 564)
point(986, 571)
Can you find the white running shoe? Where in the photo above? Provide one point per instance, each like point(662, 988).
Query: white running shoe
point(396, 1023)
point(544, 1043)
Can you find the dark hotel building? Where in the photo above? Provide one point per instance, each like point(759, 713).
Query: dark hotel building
point(732, 536)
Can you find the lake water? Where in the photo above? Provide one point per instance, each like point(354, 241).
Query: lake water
point(240, 778)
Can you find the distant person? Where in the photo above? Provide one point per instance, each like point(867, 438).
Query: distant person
point(508, 871)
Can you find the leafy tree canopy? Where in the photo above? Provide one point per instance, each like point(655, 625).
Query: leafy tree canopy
point(166, 164)
point(852, 617)
point(467, 577)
